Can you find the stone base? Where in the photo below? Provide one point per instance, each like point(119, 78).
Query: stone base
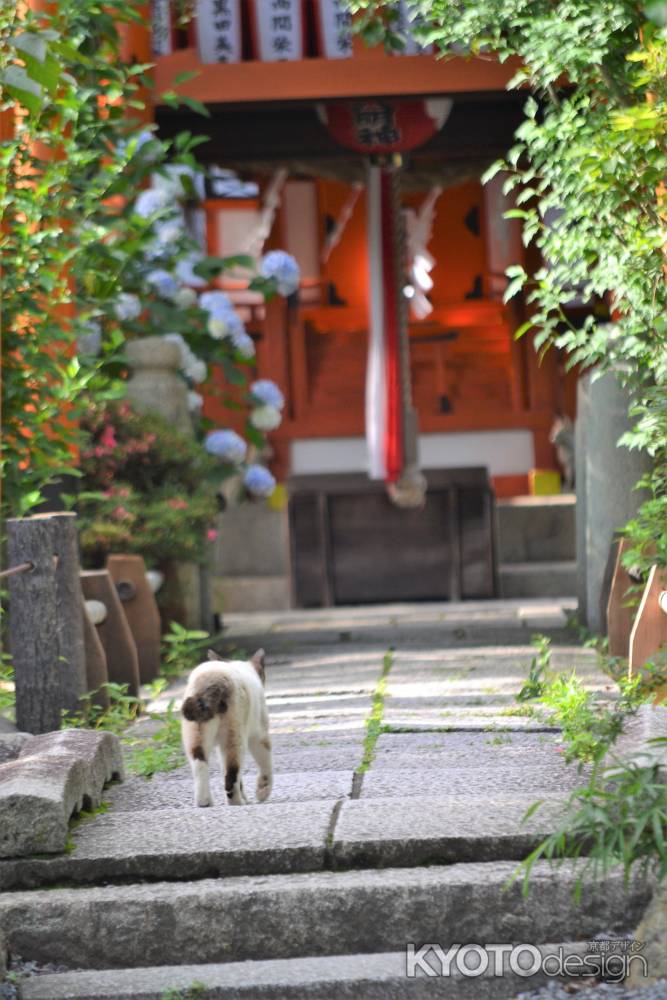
point(251, 593)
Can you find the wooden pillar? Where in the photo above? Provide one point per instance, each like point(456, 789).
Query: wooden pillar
point(45, 623)
point(114, 632)
point(141, 611)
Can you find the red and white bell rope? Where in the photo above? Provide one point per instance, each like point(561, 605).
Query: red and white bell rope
point(384, 390)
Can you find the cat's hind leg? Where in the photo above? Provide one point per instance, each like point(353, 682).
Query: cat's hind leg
point(233, 752)
point(198, 741)
point(260, 748)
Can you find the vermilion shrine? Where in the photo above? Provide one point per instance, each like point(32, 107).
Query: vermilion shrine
point(331, 132)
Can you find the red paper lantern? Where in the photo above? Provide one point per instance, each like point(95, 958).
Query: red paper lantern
point(378, 127)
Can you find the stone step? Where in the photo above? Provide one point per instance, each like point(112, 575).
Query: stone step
point(534, 529)
point(537, 579)
point(295, 837)
point(343, 977)
point(321, 913)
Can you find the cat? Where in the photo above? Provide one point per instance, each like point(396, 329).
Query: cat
point(224, 706)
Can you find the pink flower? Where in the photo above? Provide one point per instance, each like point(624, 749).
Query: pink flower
point(211, 534)
point(121, 513)
point(108, 437)
point(177, 504)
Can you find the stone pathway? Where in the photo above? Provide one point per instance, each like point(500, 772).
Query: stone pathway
point(396, 817)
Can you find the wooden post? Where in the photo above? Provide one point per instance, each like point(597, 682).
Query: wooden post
point(96, 663)
point(141, 611)
point(46, 629)
point(620, 617)
point(32, 627)
point(649, 632)
point(114, 632)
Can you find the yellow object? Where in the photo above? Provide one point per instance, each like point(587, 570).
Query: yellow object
point(544, 482)
point(278, 499)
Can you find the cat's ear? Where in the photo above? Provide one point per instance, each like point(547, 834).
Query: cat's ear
point(257, 660)
point(212, 655)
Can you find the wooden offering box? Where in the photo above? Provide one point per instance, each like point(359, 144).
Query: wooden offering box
point(352, 545)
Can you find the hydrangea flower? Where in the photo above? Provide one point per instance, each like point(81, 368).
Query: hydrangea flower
point(284, 270)
point(258, 481)
point(192, 367)
point(266, 418)
point(169, 231)
point(217, 328)
point(185, 298)
point(217, 304)
point(89, 341)
point(186, 273)
point(268, 393)
point(243, 343)
point(151, 201)
point(140, 141)
point(226, 445)
point(169, 180)
point(163, 283)
point(127, 307)
point(195, 401)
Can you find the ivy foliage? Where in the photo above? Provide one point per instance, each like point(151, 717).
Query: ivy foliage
point(79, 260)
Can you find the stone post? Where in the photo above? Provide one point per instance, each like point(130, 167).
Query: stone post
point(155, 385)
point(611, 474)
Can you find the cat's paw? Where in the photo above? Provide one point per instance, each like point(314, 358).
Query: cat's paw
point(264, 784)
point(203, 801)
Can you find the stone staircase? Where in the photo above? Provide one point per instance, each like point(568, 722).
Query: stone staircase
point(316, 894)
point(535, 546)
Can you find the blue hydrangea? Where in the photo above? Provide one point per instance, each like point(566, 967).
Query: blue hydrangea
point(217, 304)
point(163, 283)
point(284, 270)
point(227, 446)
point(268, 393)
point(185, 271)
point(149, 202)
point(242, 342)
point(258, 481)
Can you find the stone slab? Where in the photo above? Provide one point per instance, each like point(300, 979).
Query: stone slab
point(444, 830)
point(342, 977)
point(321, 913)
point(410, 751)
point(11, 745)
point(100, 753)
point(54, 776)
point(481, 781)
point(199, 843)
point(174, 789)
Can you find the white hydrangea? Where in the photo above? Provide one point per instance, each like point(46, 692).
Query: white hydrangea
point(195, 401)
point(217, 328)
point(185, 271)
point(150, 202)
point(185, 298)
point(127, 307)
point(265, 418)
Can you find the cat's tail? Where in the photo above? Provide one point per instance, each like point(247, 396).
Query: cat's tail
point(210, 698)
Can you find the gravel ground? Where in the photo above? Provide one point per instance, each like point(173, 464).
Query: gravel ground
point(605, 991)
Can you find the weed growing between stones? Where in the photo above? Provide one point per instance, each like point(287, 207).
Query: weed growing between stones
point(195, 990)
point(7, 698)
point(122, 711)
point(539, 665)
point(589, 728)
point(162, 751)
point(374, 720)
point(619, 817)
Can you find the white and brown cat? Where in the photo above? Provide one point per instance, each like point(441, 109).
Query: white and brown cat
point(224, 707)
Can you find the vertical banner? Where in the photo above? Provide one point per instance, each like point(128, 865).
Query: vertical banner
point(161, 37)
point(219, 38)
point(334, 29)
point(408, 18)
point(278, 29)
point(384, 382)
